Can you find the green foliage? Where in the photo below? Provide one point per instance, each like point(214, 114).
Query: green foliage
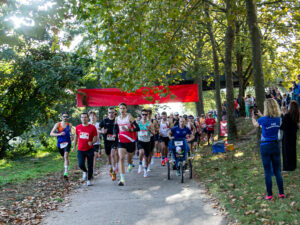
point(31, 86)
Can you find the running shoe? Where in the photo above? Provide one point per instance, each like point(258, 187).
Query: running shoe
point(66, 175)
point(159, 155)
point(145, 173)
point(110, 171)
point(281, 196)
point(269, 197)
point(140, 169)
point(163, 163)
point(89, 183)
point(156, 155)
point(148, 170)
point(166, 160)
point(84, 176)
point(129, 168)
point(121, 183)
point(113, 176)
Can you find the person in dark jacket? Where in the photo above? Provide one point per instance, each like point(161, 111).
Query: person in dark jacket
point(289, 127)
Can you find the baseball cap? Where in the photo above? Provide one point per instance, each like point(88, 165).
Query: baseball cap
point(176, 113)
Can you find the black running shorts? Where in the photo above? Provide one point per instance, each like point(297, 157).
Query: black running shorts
point(130, 147)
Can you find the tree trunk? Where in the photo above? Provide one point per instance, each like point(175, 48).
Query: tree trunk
point(198, 77)
point(239, 65)
point(258, 75)
point(216, 69)
point(242, 89)
point(199, 104)
point(229, 41)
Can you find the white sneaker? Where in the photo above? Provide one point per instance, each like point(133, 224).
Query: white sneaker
point(140, 169)
point(84, 176)
point(89, 183)
point(148, 170)
point(145, 173)
point(152, 161)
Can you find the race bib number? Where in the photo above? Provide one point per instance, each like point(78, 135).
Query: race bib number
point(110, 137)
point(63, 145)
point(122, 127)
point(144, 133)
point(178, 143)
point(84, 135)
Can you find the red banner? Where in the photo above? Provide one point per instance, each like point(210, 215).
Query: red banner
point(145, 95)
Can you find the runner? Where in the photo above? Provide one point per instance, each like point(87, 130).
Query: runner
point(203, 128)
point(63, 132)
point(192, 125)
point(127, 128)
point(110, 142)
point(210, 123)
point(144, 141)
point(85, 136)
point(180, 132)
point(176, 119)
point(164, 128)
point(97, 145)
point(156, 137)
point(152, 140)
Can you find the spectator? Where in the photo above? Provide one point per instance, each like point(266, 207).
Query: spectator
point(236, 108)
point(298, 87)
point(290, 95)
point(290, 126)
point(269, 145)
point(247, 106)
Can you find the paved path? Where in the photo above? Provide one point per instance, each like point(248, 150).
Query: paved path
point(143, 201)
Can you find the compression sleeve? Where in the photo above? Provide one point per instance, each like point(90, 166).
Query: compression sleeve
point(116, 129)
point(136, 127)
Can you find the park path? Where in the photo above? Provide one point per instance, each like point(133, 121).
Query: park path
point(143, 201)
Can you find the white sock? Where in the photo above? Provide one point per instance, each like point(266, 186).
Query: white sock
point(66, 169)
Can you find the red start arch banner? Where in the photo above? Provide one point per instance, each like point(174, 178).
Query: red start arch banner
point(144, 95)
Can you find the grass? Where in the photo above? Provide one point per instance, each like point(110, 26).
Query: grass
point(236, 179)
point(41, 164)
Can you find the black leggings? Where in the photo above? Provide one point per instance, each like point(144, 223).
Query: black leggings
point(89, 154)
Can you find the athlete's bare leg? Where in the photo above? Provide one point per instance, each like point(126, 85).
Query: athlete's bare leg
point(122, 153)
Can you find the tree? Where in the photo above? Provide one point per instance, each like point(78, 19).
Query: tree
point(31, 87)
point(229, 41)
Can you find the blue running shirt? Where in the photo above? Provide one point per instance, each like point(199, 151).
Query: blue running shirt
point(177, 132)
point(270, 127)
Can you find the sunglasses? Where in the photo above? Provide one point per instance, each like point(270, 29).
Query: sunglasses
point(144, 114)
point(65, 117)
point(111, 112)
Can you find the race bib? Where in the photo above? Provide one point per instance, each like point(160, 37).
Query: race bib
point(144, 133)
point(122, 127)
point(178, 143)
point(63, 145)
point(84, 135)
point(110, 137)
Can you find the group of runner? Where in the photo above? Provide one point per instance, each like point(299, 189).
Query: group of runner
point(123, 135)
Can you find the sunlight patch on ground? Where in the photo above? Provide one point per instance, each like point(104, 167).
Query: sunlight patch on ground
point(183, 195)
point(42, 154)
point(238, 154)
point(142, 194)
point(154, 188)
